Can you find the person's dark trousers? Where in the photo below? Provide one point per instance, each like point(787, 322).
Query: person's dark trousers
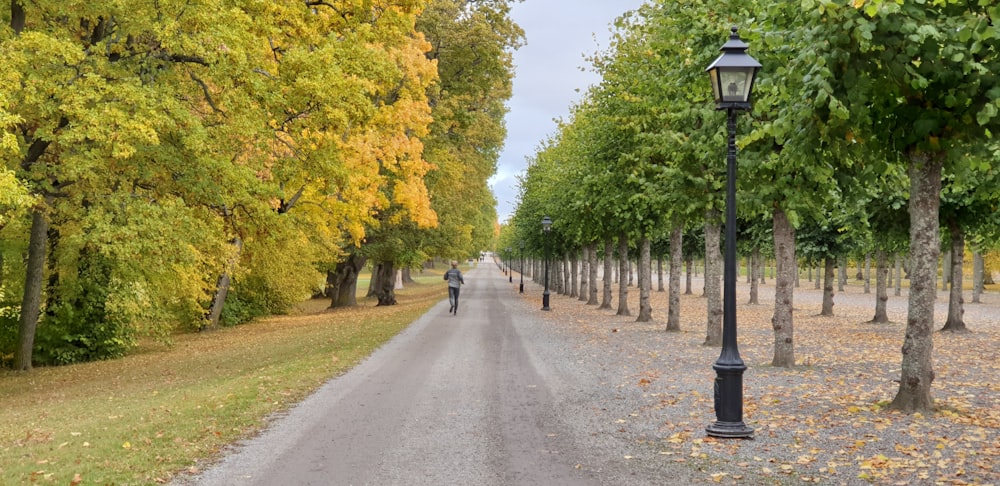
point(453, 299)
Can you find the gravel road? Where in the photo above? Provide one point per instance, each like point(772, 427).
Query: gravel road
point(481, 397)
point(504, 394)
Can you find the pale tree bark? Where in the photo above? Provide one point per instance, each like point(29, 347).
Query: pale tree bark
point(754, 275)
point(945, 270)
point(956, 302)
point(574, 272)
point(842, 274)
point(917, 372)
point(592, 295)
point(713, 278)
point(566, 275)
point(899, 274)
point(609, 253)
point(406, 277)
point(819, 278)
point(784, 291)
point(829, 269)
point(674, 293)
point(623, 264)
point(881, 290)
point(584, 272)
point(659, 273)
point(868, 273)
point(644, 269)
point(978, 268)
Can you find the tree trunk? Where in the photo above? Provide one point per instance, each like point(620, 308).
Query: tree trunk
point(977, 276)
point(31, 303)
point(899, 275)
point(222, 288)
point(406, 277)
point(842, 274)
point(754, 275)
point(584, 272)
point(881, 292)
point(644, 270)
point(784, 291)
point(384, 283)
point(828, 277)
point(917, 372)
point(659, 273)
point(713, 285)
point(592, 294)
point(820, 278)
point(623, 264)
point(609, 250)
point(956, 302)
point(689, 264)
point(574, 272)
point(945, 270)
point(674, 294)
point(342, 282)
point(868, 273)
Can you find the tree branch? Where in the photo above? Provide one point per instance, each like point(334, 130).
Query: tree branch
point(208, 95)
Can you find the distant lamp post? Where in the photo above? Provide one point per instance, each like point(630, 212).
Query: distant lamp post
point(510, 268)
point(520, 270)
point(732, 74)
point(546, 229)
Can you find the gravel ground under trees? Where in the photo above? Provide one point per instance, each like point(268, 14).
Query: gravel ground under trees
point(644, 396)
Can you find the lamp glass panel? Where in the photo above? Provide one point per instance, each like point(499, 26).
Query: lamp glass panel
point(736, 84)
point(714, 75)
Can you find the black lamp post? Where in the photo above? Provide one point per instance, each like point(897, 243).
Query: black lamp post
point(546, 228)
point(510, 268)
point(732, 74)
point(520, 270)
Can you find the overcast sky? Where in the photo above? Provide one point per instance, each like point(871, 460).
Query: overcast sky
point(549, 79)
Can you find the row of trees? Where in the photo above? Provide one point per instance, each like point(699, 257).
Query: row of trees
point(173, 165)
point(872, 131)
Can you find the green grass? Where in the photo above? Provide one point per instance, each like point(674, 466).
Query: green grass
point(166, 410)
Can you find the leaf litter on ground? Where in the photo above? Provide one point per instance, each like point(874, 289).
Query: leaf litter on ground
point(824, 420)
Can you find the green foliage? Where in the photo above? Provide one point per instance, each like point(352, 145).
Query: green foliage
point(82, 329)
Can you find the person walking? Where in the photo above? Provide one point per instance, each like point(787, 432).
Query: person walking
point(455, 281)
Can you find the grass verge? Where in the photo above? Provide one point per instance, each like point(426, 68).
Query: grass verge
point(165, 410)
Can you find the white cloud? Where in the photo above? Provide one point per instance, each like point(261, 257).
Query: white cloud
point(549, 78)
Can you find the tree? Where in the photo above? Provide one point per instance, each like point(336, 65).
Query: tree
point(919, 80)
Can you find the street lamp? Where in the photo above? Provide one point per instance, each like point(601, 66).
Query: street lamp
point(732, 75)
point(520, 270)
point(546, 228)
point(510, 269)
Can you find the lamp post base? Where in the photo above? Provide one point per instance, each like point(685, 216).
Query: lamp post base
point(545, 301)
point(729, 398)
point(730, 430)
